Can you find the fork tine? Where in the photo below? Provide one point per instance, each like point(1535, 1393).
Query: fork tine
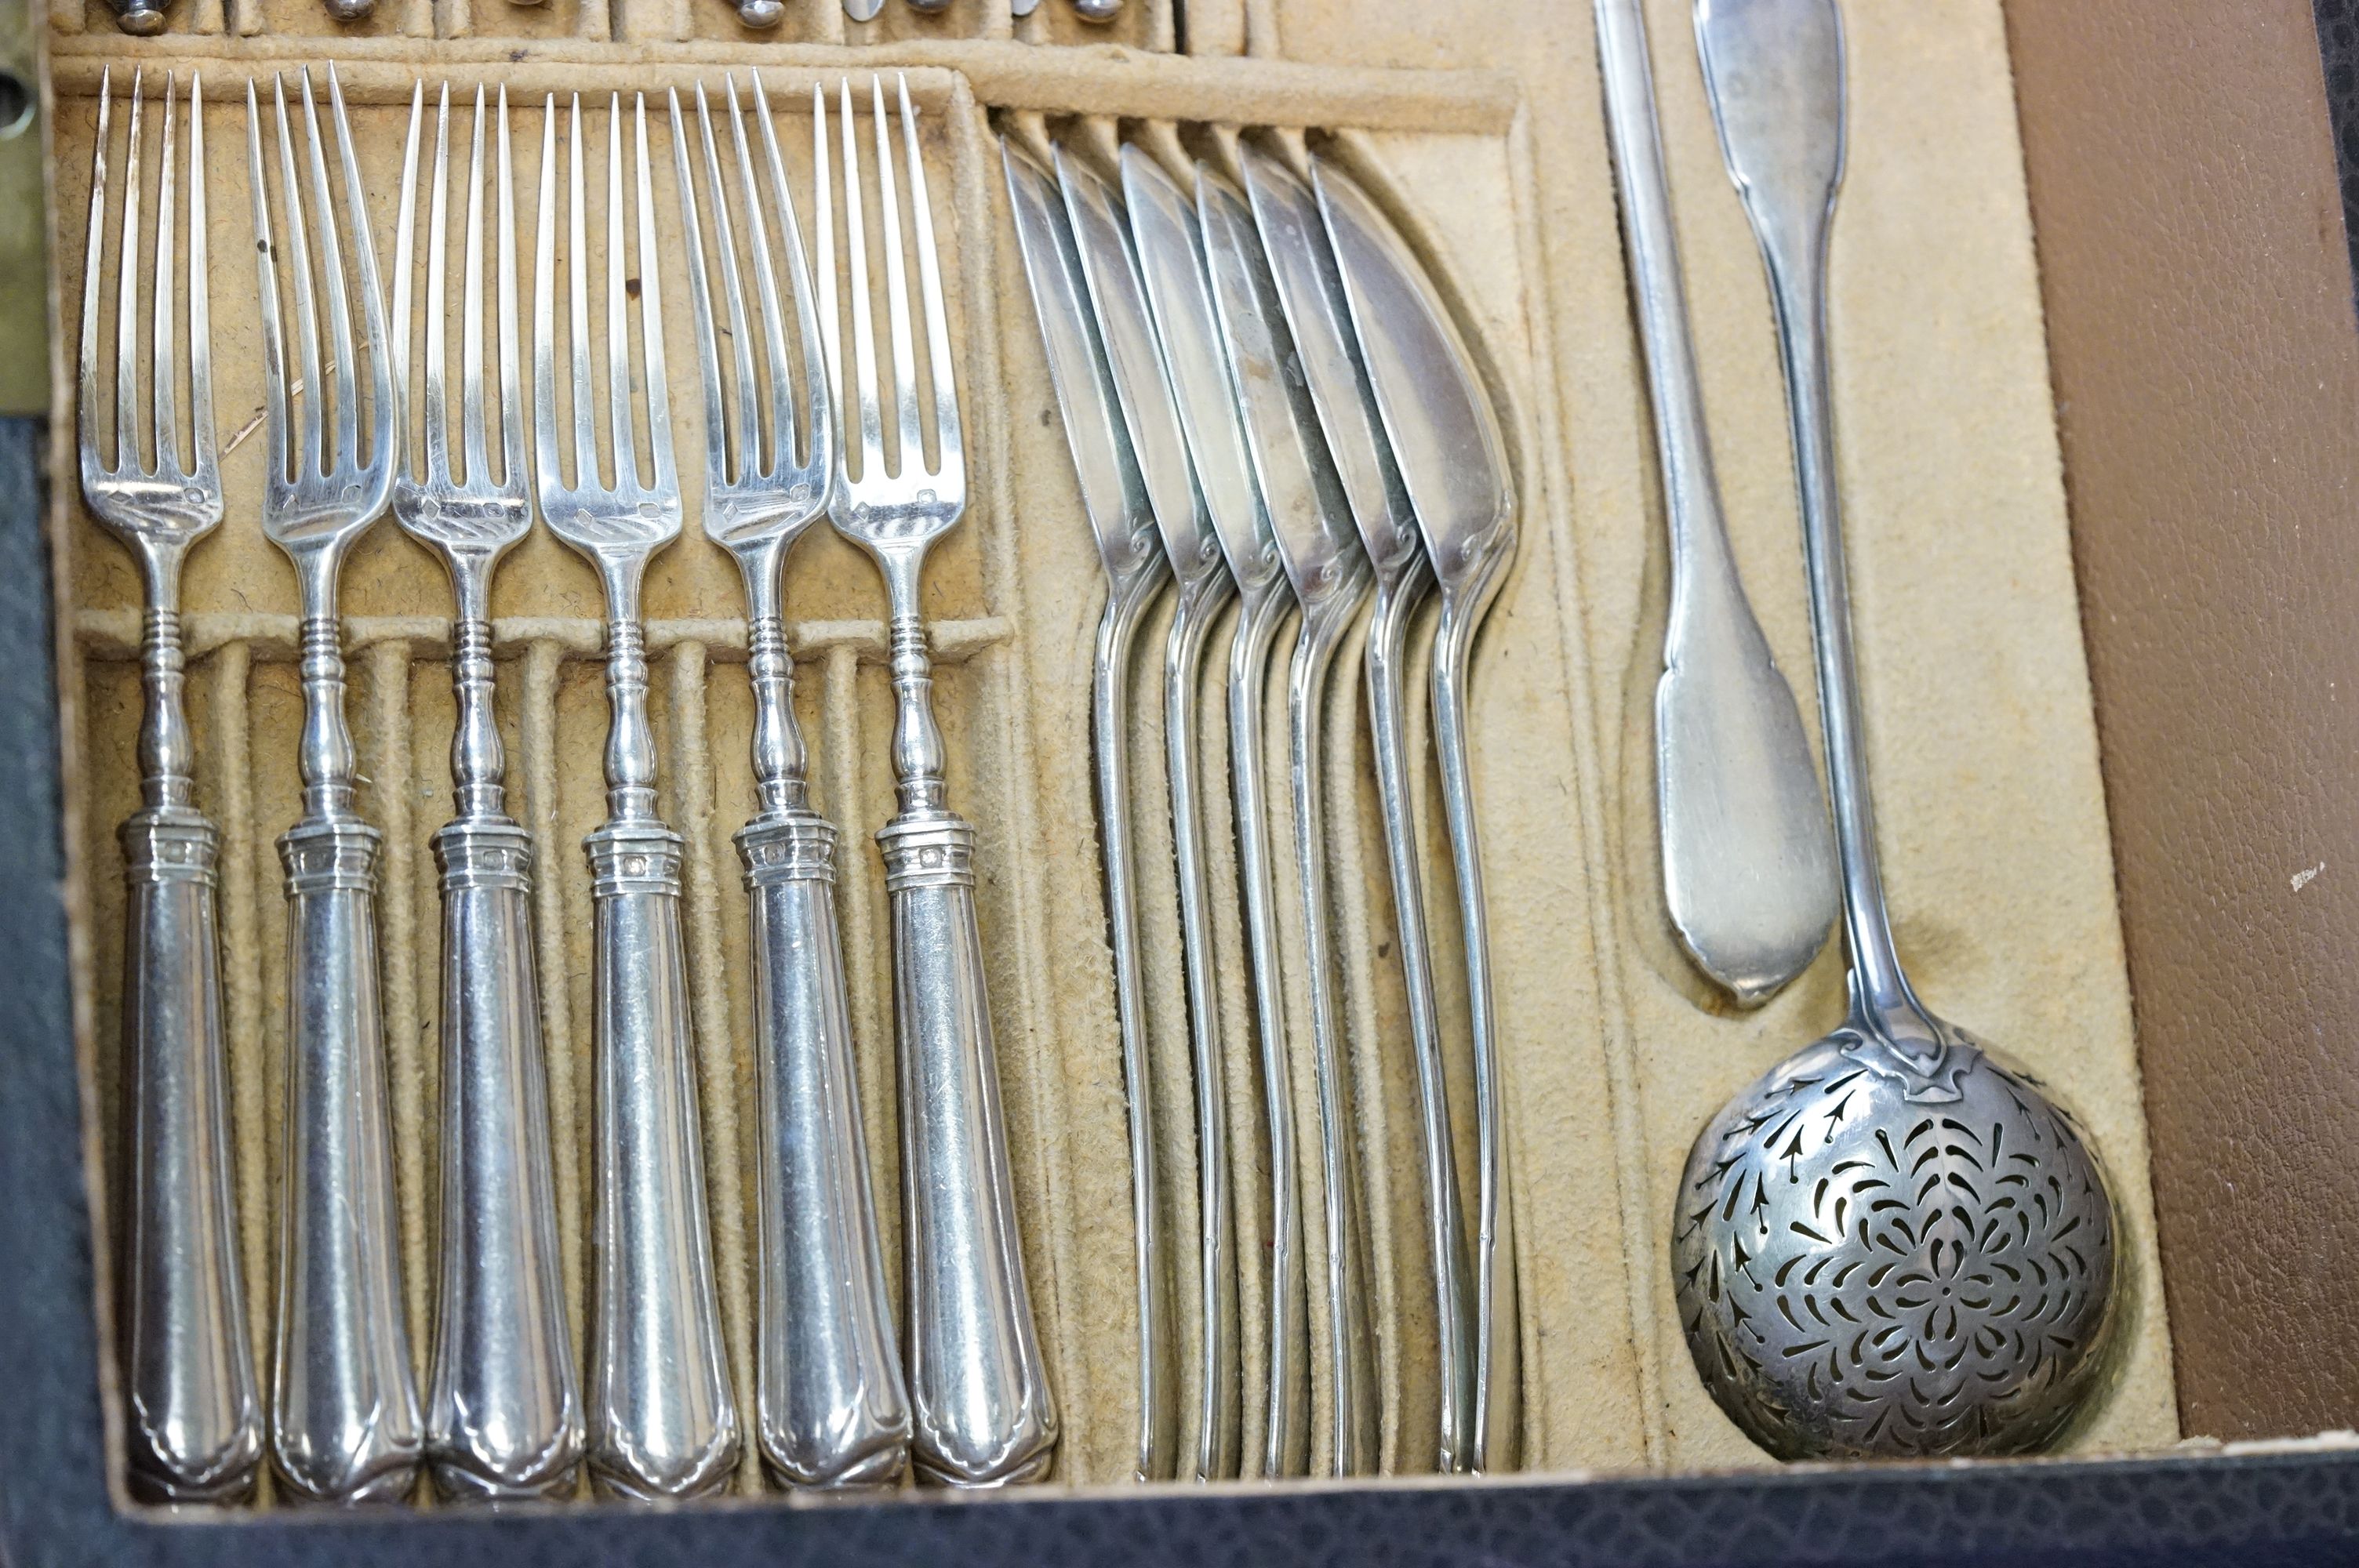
point(472, 433)
point(512, 466)
point(896, 294)
point(651, 313)
point(766, 292)
point(618, 336)
point(748, 432)
point(551, 471)
point(201, 317)
point(700, 302)
point(949, 444)
point(338, 303)
point(128, 455)
point(385, 402)
point(405, 280)
point(163, 362)
point(438, 390)
point(93, 283)
point(274, 344)
point(819, 448)
point(585, 429)
point(309, 456)
point(831, 325)
point(863, 331)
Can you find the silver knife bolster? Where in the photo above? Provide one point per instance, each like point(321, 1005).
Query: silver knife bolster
point(978, 1383)
point(831, 1408)
point(345, 1415)
point(503, 1404)
point(197, 1421)
point(663, 1423)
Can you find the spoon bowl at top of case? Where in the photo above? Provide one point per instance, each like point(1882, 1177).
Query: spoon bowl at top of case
point(1892, 1243)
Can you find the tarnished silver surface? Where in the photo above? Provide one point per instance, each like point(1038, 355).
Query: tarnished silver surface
point(1168, 227)
point(1894, 1243)
point(984, 1414)
point(1748, 849)
point(1320, 551)
point(194, 1421)
point(1143, 388)
point(503, 1404)
point(1207, 584)
point(663, 1425)
point(344, 1419)
point(1303, 264)
point(140, 18)
point(1444, 435)
point(831, 1408)
point(1122, 518)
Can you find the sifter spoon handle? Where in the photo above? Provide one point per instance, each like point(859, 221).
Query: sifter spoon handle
point(1774, 72)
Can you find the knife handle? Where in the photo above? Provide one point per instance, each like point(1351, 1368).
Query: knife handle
point(663, 1426)
point(196, 1422)
point(831, 1408)
point(344, 1417)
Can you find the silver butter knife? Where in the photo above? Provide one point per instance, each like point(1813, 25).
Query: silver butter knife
point(1114, 493)
point(1452, 458)
point(1304, 266)
point(1748, 847)
point(1143, 390)
point(1166, 226)
point(1331, 580)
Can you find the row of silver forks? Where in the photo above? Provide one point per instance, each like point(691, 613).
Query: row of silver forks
point(794, 430)
point(1268, 402)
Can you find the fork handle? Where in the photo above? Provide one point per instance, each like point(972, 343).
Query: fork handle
point(663, 1425)
point(833, 1410)
point(503, 1406)
point(344, 1416)
point(196, 1422)
point(978, 1383)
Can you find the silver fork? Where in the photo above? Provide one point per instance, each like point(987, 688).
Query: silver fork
point(195, 1423)
point(984, 1415)
point(662, 1421)
point(503, 1407)
point(344, 1417)
point(830, 1407)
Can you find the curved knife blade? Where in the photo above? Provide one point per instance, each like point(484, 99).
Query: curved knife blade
point(1142, 385)
point(1307, 511)
point(1114, 491)
point(1312, 290)
point(1171, 264)
point(1445, 433)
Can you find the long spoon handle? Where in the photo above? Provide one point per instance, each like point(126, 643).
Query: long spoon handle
point(1774, 71)
point(1748, 858)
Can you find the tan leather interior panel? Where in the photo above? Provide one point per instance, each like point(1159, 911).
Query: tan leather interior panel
point(2201, 334)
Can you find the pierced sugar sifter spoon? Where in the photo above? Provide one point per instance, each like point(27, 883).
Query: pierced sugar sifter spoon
point(1894, 1243)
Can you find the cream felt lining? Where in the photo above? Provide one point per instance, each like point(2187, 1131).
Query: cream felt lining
point(1477, 123)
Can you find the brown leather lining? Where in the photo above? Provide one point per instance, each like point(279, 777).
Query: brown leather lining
point(2206, 366)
